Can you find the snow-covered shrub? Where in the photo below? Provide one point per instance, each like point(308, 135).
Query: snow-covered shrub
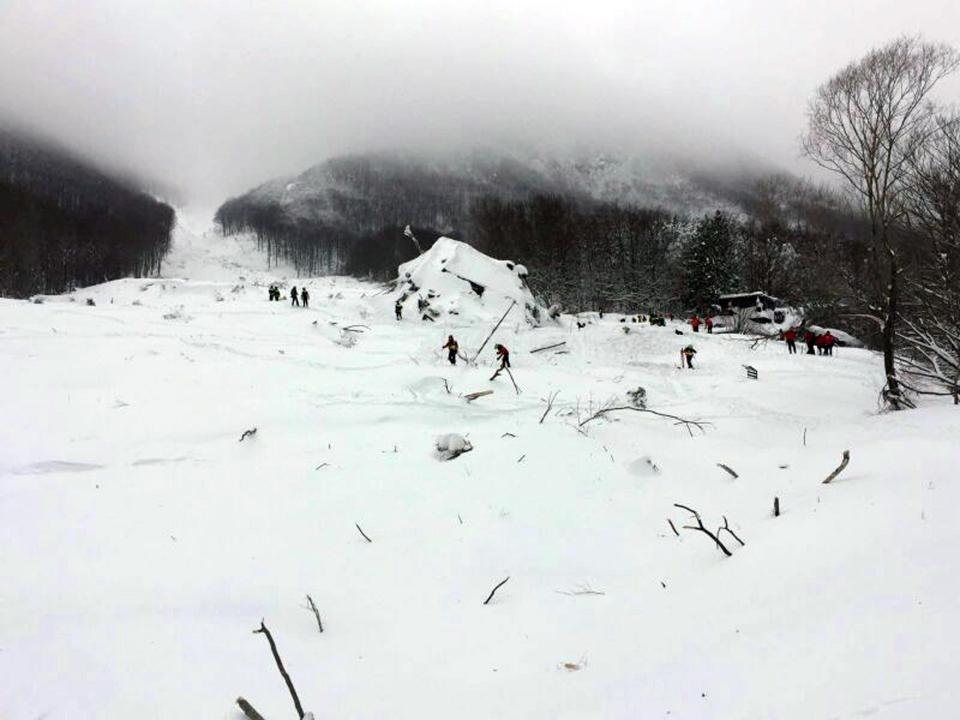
point(638, 397)
point(451, 445)
point(347, 339)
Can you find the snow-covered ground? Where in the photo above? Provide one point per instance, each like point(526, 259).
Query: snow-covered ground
point(142, 543)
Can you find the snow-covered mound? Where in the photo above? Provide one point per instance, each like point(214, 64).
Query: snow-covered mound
point(453, 278)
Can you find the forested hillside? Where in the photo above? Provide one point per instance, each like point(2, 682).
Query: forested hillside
point(64, 223)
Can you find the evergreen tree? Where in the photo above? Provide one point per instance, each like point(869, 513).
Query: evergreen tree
point(708, 263)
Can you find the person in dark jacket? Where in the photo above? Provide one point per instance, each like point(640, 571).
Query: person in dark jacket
point(305, 297)
point(294, 297)
point(709, 325)
point(791, 337)
point(452, 348)
point(810, 339)
point(503, 355)
point(398, 309)
point(687, 354)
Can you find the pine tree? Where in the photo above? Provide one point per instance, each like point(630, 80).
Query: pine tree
point(708, 263)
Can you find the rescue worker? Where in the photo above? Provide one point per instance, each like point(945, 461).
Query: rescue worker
point(503, 355)
point(398, 310)
point(305, 297)
point(687, 354)
point(810, 339)
point(695, 323)
point(709, 325)
point(791, 337)
point(829, 340)
point(452, 349)
point(294, 297)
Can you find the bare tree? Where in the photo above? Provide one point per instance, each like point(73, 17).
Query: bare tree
point(865, 123)
point(930, 332)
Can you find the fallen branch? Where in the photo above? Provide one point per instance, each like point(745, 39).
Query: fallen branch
point(286, 678)
point(247, 433)
point(363, 533)
point(549, 400)
point(729, 470)
point(703, 529)
point(776, 507)
point(496, 587)
point(494, 330)
point(673, 527)
point(508, 434)
point(726, 526)
point(548, 347)
point(316, 613)
point(248, 710)
point(679, 420)
point(353, 328)
point(840, 468)
point(470, 397)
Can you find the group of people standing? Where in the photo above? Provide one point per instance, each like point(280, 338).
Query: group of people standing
point(696, 322)
point(296, 298)
point(819, 344)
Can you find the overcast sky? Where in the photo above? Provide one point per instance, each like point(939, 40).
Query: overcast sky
point(214, 96)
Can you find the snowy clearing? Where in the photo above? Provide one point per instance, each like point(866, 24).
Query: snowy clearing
point(142, 543)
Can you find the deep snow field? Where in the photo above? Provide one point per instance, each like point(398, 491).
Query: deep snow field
point(141, 543)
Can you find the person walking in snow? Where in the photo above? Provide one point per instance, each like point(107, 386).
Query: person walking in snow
point(398, 309)
point(305, 297)
point(791, 337)
point(687, 354)
point(452, 348)
point(695, 323)
point(810, 339)
point(709, 325)
point(294, 297)
point(503, 355)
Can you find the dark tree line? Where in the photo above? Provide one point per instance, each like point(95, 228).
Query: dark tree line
point(64, 224)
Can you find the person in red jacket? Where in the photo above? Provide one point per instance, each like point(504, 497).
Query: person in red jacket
point(791, 337)
point(503, 355)
point(710, 325)
point(695, 323)
point(829, 341)
point(810, 339)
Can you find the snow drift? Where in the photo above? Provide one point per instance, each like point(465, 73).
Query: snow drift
point(456, 279)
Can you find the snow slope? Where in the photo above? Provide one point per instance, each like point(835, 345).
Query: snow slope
point(142, 543)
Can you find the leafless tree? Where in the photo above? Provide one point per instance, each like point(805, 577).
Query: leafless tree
point(865, 124)
point(930, 332)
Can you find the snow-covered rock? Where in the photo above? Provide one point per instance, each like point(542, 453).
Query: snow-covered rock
point(457, 279)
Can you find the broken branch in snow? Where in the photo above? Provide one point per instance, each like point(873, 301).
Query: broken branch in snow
point(494, 330)
point(286, 677)
point(703, 529)
point(248, 710)
point(247, 433)
point(840, 468)
point(316, 613)
point(698, 424)
point(548, 347)
point(726, 526)
point(354, 328)
point(363, 533)
point(728, 469)
point(776, 507)
point(673, 527)
point(496, 587)
point(508, 434)
point(470, 397)
point(549, 401)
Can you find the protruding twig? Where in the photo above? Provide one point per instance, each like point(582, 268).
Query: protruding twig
point(365, 537)
point(248, 710)
point(726, 526)
point(840, 468)
point(703, 529)
point(286, 678)
point(247, 433)
point(316, 612)
point(776, 507)
point(679, 420)
point(496, 587)
point(673, 527)
point(548, 347)
point(549, 400)
point(728, 469)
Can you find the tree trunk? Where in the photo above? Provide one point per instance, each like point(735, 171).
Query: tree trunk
point(889, 335)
